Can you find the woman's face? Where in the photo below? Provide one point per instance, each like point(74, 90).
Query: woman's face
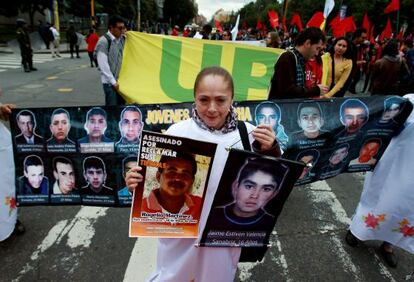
point(340, 47)
point(213, 99)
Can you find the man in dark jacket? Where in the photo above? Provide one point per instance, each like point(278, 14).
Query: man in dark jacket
point(288, 81)
point(25, 46)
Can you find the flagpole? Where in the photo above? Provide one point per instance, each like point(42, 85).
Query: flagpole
point(398, 21)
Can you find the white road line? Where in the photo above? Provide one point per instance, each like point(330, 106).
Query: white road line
point(9, 67)
point(79, 232)
point(321, 193)
point(2, 70)
point(142, 261)
point(281, 259)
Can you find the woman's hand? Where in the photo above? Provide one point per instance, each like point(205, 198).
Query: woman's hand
point(5, 110)
point(133, 177)
point(265, 135)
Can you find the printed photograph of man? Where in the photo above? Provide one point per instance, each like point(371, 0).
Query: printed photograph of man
point(26, 122)
point(337, 160)
point(95, 126)
point(259, 180)
point(310, 120)
point(33, 181)
point(64, 174)
point(269, 113)
point(354, 115)
point(310, 158)
point(94, 172)
point(392, 107)
point(127, 163)
point(130, 126)
point(367, 153)
point(174, 193)
point(60, 127)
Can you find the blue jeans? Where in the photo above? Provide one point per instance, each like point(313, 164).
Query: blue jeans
point(112, 98)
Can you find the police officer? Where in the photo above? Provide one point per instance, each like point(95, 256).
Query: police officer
point(25, 47)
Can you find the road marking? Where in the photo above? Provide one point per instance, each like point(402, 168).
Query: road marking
point(51, 77)
point(142, 261)
point(65, 89)
point(320, 192)
point(79, 232)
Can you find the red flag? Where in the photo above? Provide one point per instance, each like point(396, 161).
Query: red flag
point(366, 23)
point(371, 36)
point(245, 26)
point(296, 21)
point(218, 26)
point(387, 32)
point(394, 5)
point(343, 27)
point(336, 21)
point(284, 24)
point(316, 20)
point(259, 25)
point(273, 18)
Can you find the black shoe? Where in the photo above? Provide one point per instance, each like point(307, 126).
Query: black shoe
point(351, 240)
point(33, 69)
point(18, 228)
point(78, 57)
point(389, 257)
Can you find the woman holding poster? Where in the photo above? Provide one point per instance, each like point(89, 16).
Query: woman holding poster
point(213, 120)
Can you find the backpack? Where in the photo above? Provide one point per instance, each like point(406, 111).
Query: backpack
point(109, 40)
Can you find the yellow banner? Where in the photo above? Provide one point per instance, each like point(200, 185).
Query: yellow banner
point(162, 69)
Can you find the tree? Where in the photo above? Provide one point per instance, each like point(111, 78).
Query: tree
point(33, 6)
point(179, 12)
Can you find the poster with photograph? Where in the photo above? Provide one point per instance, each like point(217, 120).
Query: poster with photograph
point(169, 201)
point(330, 136)
point(249, 198)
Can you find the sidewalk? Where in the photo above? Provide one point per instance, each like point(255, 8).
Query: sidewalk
point(63, 48)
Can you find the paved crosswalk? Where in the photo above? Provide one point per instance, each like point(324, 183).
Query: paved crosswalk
point(13, 61)
point(307, 244)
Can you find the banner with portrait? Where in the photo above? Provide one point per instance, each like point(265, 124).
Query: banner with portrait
point(249, 198)
point(79, 155)
point(169, 201)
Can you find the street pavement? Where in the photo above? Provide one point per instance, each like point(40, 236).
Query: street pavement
point(79, 243)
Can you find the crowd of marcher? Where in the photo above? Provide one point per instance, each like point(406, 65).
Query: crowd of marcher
point(386, 67)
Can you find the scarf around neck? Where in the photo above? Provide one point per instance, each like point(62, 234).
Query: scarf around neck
point(229, 125)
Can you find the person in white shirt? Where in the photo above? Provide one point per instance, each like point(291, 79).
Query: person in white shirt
point(108, 52)
point(56, 41)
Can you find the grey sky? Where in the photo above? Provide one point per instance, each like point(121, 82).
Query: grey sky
point(209, 7)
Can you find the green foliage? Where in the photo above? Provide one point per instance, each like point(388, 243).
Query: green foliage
point(179, 12)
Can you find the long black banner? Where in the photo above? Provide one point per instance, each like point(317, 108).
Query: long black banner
point(58, 151)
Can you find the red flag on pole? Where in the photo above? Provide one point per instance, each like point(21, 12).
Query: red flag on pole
point(273, 18)
point(296, 21)
point(387, 32)
point(316, 20)
point(394, 5)
point(366, 23)
point(284, 24)
point(336, 21)
point(259, 25)
point(371, 35)
point(343, 27)
point(218, 26)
